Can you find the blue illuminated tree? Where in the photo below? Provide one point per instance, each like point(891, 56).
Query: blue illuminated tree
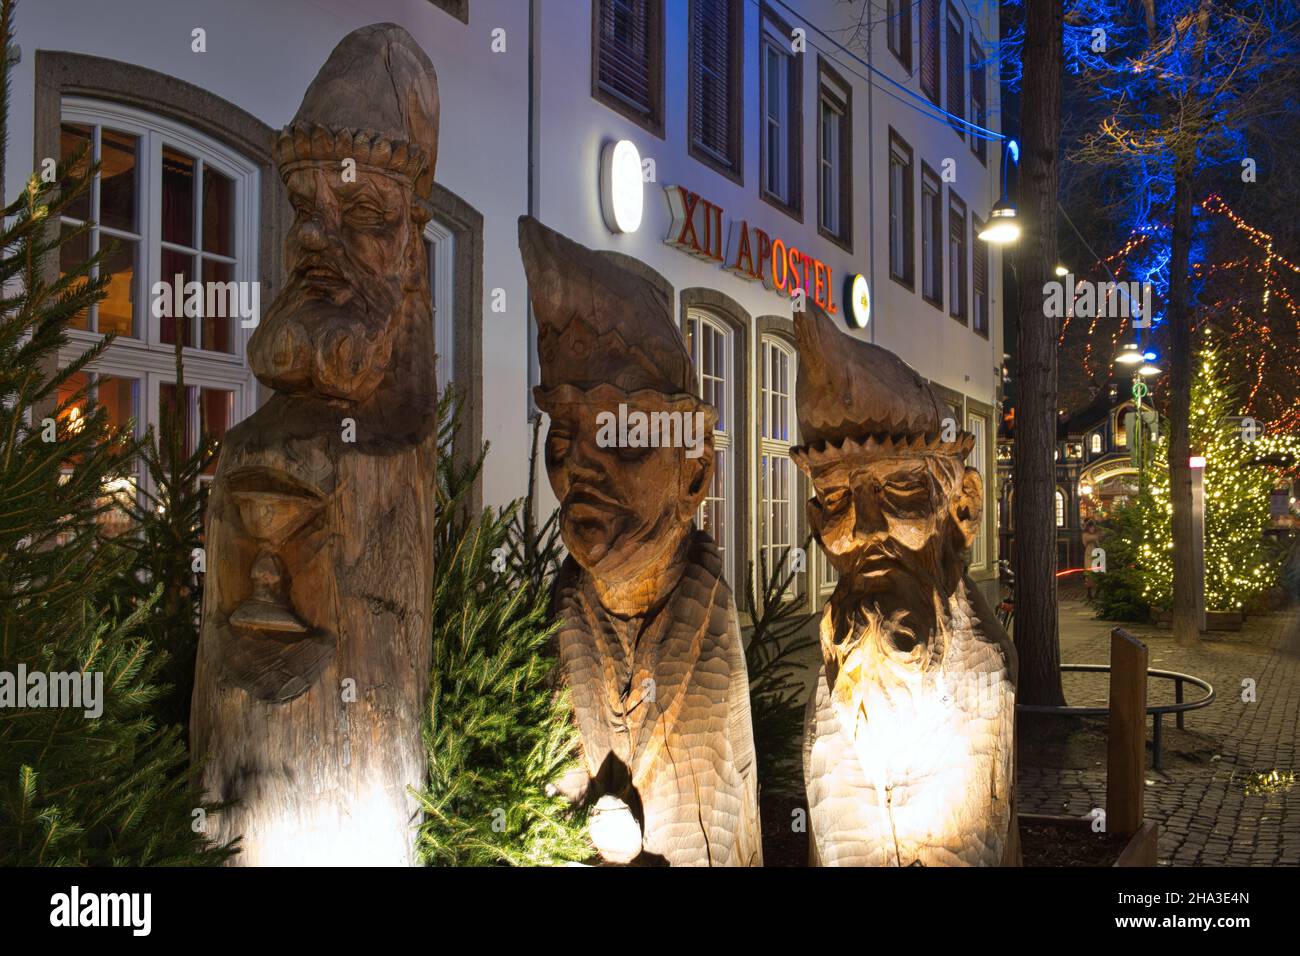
point(1173, 92)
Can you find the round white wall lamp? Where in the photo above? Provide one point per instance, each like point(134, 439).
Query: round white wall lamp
point(859, 313)
point(622, 198)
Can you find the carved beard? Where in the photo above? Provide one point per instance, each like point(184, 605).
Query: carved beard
point(904, 589)
point(338, 345)
point(882, 674)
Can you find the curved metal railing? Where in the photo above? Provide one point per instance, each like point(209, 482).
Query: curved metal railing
point(1157, 711)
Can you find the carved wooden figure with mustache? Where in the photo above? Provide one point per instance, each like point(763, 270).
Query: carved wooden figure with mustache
point(312, 669)
point(648, 642)
point(909, 734)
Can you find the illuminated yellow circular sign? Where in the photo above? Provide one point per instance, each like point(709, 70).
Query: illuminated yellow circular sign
point(860, 301)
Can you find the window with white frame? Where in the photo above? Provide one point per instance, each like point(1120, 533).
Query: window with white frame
point(1095, 441)
point(175, 203)
point(931, 237)
point(780, 89)
point(956, 257)
point(829, 576)
point(711, 346)
point(978, 426)
point(834, 154)
point(832, 123)
point(777, 488)
point(119, 396)
point(898, 30)
point(1060, 508)
point(901, 212)
point(441, 244)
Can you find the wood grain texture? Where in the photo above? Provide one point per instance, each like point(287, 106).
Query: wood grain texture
point(1126, 736)
point(313, 663)
point(662, 701)
point(909, 738)
point(933, 781)
point(649, 644)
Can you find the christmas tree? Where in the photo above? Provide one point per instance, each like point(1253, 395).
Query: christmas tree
point(166, 552)
point(1240, 562)
point(86, 777)
point(498, 732)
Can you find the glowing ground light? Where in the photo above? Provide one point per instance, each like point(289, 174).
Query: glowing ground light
point(622, 196)
point(860, 300)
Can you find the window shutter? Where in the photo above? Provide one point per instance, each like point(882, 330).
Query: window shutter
point(956, 69)
point(930, 49)
point(980, 281)
point(711, 93)
point(626, 61)
point(978, 102)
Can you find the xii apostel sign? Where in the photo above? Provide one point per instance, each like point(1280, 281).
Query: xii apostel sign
point(749, 251)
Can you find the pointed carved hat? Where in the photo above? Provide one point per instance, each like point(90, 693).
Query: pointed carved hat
point(600, 324)
point(858, 399)
point(375, 101)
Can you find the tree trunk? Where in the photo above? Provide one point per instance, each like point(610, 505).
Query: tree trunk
point(1037, 636)
point(1186, 628)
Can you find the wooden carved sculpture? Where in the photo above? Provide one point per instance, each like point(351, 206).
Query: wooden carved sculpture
point(908, 737)
point(648, 641)
point(313, 663)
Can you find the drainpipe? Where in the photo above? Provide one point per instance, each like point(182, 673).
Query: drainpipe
point(530, 407)
point(871, 175)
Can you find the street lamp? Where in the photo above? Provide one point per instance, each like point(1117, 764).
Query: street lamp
point(1130, 355)
point(1003, 226)
point(1143, 365)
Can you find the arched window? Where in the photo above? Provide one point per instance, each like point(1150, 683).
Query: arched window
point(1096, 443)
point(777, 497)
point(1120, 430)
point(180, 207)
point(711, 343)
point(1060, 508)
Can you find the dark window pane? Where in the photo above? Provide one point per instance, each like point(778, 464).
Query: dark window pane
point(176, 264)
point(118, 396)
point(117, 309)
point(173, 416)
point(74, 139)
point(217, 328)
point(74, 389)
point(72, 255)
point(117, 180)
point(177, 198)
point(218, 212)
point(215, 408)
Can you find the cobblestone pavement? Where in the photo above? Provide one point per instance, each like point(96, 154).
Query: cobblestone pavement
point(1200, 799)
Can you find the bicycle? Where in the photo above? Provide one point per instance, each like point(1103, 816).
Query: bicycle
point(1006, 609)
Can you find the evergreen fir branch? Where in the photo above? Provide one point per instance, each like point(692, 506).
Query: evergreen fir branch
point(496, 732)
point(778, 619)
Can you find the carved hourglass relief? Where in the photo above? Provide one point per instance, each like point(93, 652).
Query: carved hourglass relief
point(271, 647)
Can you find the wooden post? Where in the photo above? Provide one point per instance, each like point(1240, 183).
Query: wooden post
point(1126, 738)
point(313, 665)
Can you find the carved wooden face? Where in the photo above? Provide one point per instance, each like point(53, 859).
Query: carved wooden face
point(873, 515)
point(353, 250)
point(623, 510)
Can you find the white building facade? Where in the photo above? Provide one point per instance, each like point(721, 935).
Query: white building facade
point(842, 136)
